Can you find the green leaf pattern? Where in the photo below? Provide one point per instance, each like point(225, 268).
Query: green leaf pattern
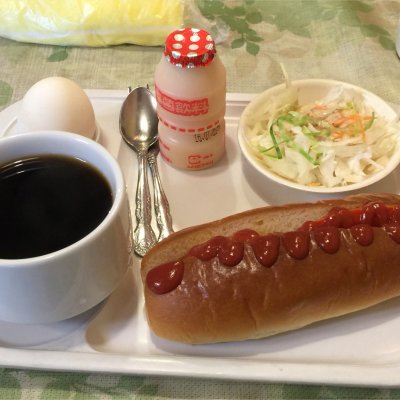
point(5, 93)
point(58, 54)
point(16, 384)
point(10, 384)
point(255, 24)
point(239, 20)
point(292, 16)
point(20, 385)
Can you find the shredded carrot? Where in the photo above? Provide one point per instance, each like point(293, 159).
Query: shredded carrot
point(350, 119)
point(339, 121)
point(348, 123)
point(337, 135)
point(319, 107)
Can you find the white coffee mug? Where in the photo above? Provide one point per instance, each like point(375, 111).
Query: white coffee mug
point(70, 281)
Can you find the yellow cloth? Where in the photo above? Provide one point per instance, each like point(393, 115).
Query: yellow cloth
point(90, 22)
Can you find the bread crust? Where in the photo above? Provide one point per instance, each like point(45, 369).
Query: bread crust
point(215, 303)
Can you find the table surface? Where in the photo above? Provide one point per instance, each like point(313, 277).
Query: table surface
point(352, 41)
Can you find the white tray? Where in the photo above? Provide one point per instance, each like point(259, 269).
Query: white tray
point(358, 349)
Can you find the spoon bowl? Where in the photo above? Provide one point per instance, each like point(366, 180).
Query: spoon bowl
point(138, 119)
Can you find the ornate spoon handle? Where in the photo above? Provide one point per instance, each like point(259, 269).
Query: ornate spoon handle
point(143, 235)
point(161, 205)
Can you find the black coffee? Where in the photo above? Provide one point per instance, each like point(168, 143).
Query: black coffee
point(49, 202)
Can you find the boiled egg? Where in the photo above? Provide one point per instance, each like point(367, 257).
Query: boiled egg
point(58, 103)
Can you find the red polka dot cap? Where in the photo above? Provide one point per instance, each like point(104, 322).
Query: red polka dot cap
point(189, 48)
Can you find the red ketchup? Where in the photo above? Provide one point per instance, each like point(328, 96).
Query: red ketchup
point(362, 234)
point(165, 277)
point(229, 251)
point(297, 244)
point(266, 249)
point(325, 232)
point(208, 250)
point(328, 238)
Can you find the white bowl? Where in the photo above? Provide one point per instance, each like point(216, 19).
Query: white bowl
point(309, 91)
point(70, 281)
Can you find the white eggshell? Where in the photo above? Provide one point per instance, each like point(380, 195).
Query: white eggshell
point(58, 103)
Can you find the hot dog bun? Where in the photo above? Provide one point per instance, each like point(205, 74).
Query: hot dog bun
point(218, 303)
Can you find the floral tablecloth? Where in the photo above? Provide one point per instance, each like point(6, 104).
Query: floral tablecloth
point(351, 41)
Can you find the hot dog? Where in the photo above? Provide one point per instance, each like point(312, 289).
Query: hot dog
point(273, 269)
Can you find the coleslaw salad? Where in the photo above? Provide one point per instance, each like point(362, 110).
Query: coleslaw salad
point(336, 141)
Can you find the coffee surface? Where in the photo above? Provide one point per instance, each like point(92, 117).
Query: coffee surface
point(49, 202)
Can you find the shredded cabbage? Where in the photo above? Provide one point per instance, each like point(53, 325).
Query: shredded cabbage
point(336, 141)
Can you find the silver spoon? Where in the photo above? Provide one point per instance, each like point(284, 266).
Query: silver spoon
point(161, 205)
point(139, 129)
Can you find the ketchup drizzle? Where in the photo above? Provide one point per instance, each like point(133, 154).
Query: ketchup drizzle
point(325, 232)
point(328, 238)
point(266, 249)
point(374, 214)
point(297, 244)
point(165, 277)
point(362, 234)
point(231, 253)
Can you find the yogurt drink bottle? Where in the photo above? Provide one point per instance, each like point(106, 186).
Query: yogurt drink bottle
point(190, 84)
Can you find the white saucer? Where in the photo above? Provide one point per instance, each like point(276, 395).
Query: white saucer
point(31, 335)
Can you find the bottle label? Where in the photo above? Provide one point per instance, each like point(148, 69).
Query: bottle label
point(190, 161)
point(196, 161)
point(182, 107)
point(200, 133)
